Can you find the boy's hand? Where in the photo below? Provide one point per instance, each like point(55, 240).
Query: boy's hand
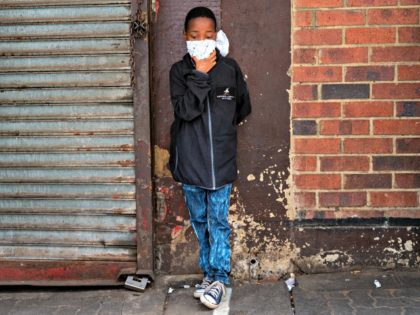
point(205, 65)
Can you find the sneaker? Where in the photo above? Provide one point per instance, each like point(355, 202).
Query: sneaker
point(200, 288)
point(213, 295)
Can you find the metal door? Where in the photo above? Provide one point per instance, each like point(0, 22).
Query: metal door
point(259, 34)
point(71, 150)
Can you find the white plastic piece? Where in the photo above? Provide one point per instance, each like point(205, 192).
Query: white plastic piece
point(291, 282)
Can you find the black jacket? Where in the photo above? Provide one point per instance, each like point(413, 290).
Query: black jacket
point(207, 109)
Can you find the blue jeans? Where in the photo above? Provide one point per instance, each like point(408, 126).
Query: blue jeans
point(209, 211)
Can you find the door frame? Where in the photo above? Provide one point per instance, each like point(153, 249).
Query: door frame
point(142, 141)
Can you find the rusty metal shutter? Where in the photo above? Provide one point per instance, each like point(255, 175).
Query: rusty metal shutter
point(67, 180)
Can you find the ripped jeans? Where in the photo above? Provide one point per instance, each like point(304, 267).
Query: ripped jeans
point(209, 210)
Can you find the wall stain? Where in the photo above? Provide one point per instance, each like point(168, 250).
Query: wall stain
point(161, 159)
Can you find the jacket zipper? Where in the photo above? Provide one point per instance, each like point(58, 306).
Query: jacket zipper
point(176, 158)
point(213, 177)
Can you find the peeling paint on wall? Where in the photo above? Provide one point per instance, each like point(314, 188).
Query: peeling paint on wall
point(272, 255)
point(161, 159)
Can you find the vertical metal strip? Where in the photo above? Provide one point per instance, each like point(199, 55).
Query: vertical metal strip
point(143, 150)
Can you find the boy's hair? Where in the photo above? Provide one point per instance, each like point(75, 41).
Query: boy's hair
point(199, 12)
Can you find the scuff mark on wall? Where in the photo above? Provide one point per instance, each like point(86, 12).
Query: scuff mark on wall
point(324, 260)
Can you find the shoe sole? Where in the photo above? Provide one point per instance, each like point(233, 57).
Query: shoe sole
point(207, 303)
point(197, 295)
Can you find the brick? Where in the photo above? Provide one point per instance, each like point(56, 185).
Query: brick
point(304, 55)
point(408, 145)
point(342, 199)
point(304, 200)
point(316, 214)
point(345, 91)
point(396, 90)
point(385, 54)
point(402, 213)
point(369, 73)
point(407, 180)
point(318, 3)
point(303, 18)
point(343, 55)
point(409, 2)
point(304, 163)
point(409, 73)
point(317, 181)
point(368, 109)
point(394, 199)
point(371, 3)
point(344, 127)
point(396, 163)
point(340, 17)
point(408, 109)
point(344, 163)
point(316, 74)
point(393, 16)
point(368, 145)
point(396, 127)
point(314, 110)
point(409, 34)
point(363, 181)
point(373, 35)
point(304, 127)
point(305, 92)
point(317, 145)
point(317, 37)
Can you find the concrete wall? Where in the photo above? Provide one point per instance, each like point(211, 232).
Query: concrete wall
point(328, 171)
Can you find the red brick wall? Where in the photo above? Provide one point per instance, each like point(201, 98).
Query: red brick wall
point(355, 108)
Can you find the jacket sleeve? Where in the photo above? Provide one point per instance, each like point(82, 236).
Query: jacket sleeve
point(188, 92)
point(243, 104)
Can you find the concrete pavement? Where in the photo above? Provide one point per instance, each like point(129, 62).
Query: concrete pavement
point(334, 293)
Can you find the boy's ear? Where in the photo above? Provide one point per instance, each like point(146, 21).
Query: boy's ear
point(184, 35)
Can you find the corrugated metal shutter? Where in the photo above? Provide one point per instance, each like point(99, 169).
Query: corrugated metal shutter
point(67, 184)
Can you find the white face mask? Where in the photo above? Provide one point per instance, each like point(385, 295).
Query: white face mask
point(203, 48)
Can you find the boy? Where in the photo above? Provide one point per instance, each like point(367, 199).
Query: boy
point(210, 98)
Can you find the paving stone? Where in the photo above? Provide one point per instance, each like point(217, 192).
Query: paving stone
point(335, 295)
point(341, 307)
point(382, 293)
point(308, 302)
point(31, 309)
point(314, 295)
point(6, 305)
point(269, 298)
point(181, 301)
point(68, 310)
point(411, 310)
point(379, 311)
point(409, 292)
point(151, 302)
point(361, 298)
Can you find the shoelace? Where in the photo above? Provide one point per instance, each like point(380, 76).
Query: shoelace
point(215, 291)
point(206, 282)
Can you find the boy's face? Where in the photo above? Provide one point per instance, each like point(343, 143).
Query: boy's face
point(200, 28)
